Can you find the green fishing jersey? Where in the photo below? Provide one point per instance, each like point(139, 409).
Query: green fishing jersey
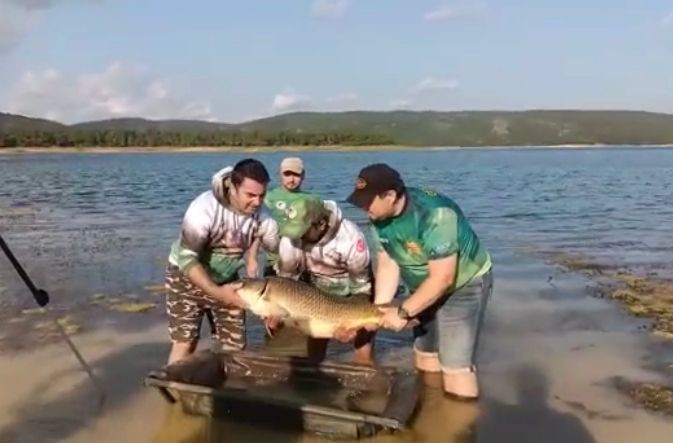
point(430, 227)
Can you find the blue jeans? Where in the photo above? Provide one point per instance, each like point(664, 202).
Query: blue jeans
point(451, 327)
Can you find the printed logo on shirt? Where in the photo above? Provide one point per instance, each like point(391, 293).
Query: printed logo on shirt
point(360, 246)
point(413, 248)
point(441, 249)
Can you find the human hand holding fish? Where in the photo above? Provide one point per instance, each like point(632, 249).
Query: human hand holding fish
point(315, 312)
point(227, 294)
point(391, 320)
point(345, 334)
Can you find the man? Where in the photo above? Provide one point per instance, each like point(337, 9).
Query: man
point(424, 237)
point(217, 229)
point(332, 251)
point(292, 176)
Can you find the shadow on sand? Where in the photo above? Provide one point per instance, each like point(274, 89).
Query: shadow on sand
point(120, 374)
point(531, 420)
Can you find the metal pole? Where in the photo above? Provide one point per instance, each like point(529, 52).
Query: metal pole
point(42, 299)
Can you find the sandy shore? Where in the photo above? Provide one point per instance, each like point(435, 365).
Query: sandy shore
point(376, 148)
point(174, 149)
point(549, 359)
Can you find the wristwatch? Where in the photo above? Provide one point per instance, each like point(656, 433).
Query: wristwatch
point(403, 314)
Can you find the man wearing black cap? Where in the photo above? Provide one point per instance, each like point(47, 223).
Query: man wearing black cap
point(424, 238)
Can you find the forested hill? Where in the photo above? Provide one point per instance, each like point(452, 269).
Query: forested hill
point(469, 128)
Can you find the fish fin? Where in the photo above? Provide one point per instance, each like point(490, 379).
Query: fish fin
point(269, 332)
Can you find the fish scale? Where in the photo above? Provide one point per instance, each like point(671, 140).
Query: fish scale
point(306, 307)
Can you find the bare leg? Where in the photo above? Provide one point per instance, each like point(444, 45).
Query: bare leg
point(364, 348)
point(461, 383)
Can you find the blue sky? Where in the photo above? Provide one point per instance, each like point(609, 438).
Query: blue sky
point(74, 60)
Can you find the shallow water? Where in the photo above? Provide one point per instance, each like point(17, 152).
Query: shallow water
point(84, 224)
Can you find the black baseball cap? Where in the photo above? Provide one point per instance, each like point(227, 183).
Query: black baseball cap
point(374, 180)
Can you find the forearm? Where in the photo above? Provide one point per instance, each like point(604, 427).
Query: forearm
point(251, 259)
point(386, 281)
point(198, 275)
point(427, 293)
point(253, 250)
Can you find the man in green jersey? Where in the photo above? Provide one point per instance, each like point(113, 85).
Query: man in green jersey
point(277, 200)
point(424, 237)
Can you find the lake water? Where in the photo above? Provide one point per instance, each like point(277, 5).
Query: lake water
point(84, 224)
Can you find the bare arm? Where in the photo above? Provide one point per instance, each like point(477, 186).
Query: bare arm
point(225, 294)
point(387, 278)
point(252, 266)
point(197, 275)
point(441, 276)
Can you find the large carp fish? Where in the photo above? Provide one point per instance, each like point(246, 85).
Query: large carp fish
point(300, 305)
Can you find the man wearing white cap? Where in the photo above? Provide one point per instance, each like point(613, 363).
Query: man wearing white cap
point(292, 175)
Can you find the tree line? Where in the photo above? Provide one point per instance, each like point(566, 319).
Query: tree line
point(150, 138)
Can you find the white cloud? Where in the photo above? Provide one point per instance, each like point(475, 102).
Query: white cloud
point(440, 14)
point(119, 91)
point(289, 100)
point(399, 103)
point(15, 23)
point(19, 17)
point(434, 84)
point(667, 20)
point(420, 93)
point(329, 8)
point(32, 4)
point(446, 12)
point(347, 98)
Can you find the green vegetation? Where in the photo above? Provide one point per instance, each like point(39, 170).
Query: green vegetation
point(474, 128)
point(652, 396)
point(642, 296)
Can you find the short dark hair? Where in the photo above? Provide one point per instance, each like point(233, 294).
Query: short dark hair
point(249, 168)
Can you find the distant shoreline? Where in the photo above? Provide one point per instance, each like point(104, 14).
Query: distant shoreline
point(268, 149)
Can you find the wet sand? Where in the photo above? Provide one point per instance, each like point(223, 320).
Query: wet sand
point(549, 359)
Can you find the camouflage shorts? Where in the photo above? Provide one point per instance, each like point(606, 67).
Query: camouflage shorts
point(186, 304)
